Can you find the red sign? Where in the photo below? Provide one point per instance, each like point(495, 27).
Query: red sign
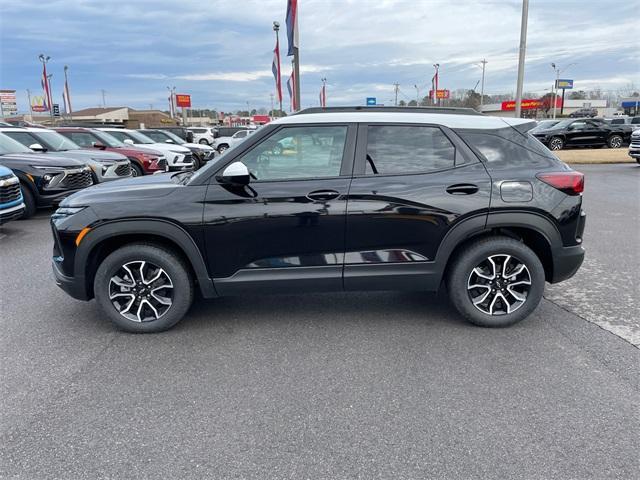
point(183, 100)
point(526, 104)
point(440, 94)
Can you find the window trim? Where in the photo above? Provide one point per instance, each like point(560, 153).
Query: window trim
point(346, 167)
point(461, 150)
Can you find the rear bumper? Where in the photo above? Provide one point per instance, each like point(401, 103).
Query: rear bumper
point(566, 262)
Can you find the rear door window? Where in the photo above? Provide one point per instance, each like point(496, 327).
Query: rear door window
point(405, 149)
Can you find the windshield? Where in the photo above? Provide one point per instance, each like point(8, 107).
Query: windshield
point(108, 140)
point(55, 141)
point(545, 124)
point(9, 145)
point(140, 137)
point(176, 139)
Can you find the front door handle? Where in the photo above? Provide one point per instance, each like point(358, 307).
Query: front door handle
point(462, 189)
point(323, 195)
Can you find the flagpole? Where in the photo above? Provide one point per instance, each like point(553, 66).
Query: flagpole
point(296, 61)
point(276, 28)
point(47, 92)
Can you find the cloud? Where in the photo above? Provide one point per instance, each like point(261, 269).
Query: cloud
point(222, 53)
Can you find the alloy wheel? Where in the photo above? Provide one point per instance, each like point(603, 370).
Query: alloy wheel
point(141, 291)
point(615, 142)
point(555, 144)
point(499, 285)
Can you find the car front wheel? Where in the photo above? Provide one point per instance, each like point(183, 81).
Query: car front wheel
point(496, 282)
point(556, 143)
point(222, 148)
point(203, 141)
point(143, 288)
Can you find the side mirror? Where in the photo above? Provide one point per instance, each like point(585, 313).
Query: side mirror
point(128, 141)
point(36, 147)
point(168, 140)
point(99, 145)
point(236, 174)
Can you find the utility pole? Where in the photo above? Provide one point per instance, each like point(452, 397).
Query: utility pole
point(396, 88)
point(484, 64)
point(523, 48)
point(172, 103)
point(104, 101)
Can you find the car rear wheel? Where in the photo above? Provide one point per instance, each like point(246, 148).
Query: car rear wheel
point(614, 141)
point(203, 141)
point(143, 288)
point(222, 148)
point(29, 200)
point(496, 282)
point(556, 143)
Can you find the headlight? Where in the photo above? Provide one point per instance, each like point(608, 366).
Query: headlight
point(66, 211)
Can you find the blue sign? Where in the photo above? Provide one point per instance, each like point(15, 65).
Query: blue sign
point(564, 83)
point(371, 101)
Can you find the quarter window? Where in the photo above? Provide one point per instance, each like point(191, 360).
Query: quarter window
point(298, 152)
point(407, 149)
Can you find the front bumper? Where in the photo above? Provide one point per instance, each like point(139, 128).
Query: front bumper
point(114, 172)
point(73, 286)
point(11, 213)
point(634, 153)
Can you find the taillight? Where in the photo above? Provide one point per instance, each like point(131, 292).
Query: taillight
point(571, 183)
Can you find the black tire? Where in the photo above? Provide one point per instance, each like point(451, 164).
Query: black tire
point(461, 273)
point(203, 141)
point(196, 163)
point(136, 170)
point(222, 148)
point(176, 271)
point(615, 141)
point(556, 143)
point(29, 199)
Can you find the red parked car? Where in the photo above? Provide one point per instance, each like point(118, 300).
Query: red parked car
point(144, 161)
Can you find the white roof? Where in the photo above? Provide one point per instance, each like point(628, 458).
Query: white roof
point(446, 119)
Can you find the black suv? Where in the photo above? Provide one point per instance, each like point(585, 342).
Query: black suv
point(380, 199)
point(584, 132)
point(44, 179)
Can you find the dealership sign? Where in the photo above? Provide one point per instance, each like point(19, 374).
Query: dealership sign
point(183, 100)
point(371, 101)
point(440, 94)
point(8, 102)
point(564, 83)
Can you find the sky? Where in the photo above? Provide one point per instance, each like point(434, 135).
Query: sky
point(220, 51)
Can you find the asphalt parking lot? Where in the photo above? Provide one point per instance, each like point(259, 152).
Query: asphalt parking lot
point(375, 385)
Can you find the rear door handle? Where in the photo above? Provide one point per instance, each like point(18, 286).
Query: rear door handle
point(323, 195)
point(462, 189)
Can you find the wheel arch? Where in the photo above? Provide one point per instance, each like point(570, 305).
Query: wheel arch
point(534, 230)
point(106, 238)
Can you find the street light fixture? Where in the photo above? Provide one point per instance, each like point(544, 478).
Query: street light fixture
point(558, 71)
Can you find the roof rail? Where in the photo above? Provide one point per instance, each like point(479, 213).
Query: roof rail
point(362, 108)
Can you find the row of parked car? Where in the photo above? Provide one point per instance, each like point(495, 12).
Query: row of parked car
point(40, 166)
point(220, 138)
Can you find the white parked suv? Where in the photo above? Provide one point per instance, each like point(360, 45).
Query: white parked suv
point(178, 158)
point(223, 143)
point(203, 135)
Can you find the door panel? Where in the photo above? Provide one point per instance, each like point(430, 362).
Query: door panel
point(395, 223)
point(280, 234)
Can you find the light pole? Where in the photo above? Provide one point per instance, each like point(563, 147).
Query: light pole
point(172, 107)
point(324, 92)
point(44, 59)
point(522, 52)
point(276, 28)
point(104, 98)
point(30, 107)
point(417, 95)
point(435, 87)
point(484, 64)
point(67, 97)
